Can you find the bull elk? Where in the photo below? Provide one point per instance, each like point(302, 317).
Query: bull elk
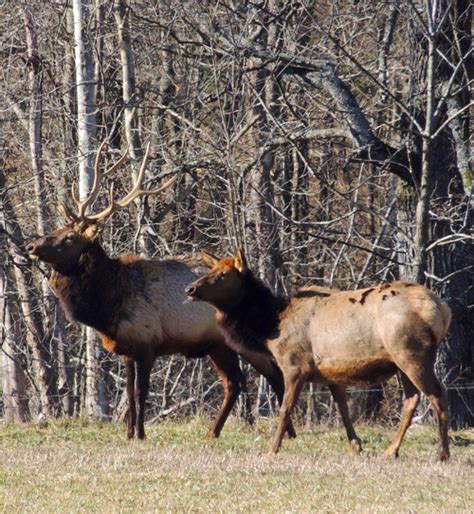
point(335, 338)
point(138, 305)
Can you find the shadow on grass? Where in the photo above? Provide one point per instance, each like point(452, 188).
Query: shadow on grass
point(459, 440)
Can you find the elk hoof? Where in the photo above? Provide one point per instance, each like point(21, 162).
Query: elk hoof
point(290, 432)
point(250, 419)
point(390, 454)
point(443, 455)
point(355, 447)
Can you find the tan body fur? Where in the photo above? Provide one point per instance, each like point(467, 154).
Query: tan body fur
point(336, 338)
point(355, 337)
point(166, 321)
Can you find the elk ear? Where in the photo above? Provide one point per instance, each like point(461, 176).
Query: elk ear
point(93, 231)
point(240, 262)
point(209, 260)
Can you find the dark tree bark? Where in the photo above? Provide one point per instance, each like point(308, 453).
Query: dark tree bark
point(428, 172)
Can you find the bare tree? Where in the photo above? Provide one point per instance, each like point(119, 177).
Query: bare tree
point(86, 131)
point(330, 139)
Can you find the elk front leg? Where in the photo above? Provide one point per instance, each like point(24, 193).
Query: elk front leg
point(339, 395)
point(293, 386)
point(143, 367)
point(264, 364)
point(277, 384)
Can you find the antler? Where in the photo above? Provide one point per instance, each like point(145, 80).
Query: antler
point(114, 205)
point(81, 206)
point(66, 213)
point(133, 194)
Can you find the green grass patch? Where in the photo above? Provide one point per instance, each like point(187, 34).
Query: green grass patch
point(79, 466)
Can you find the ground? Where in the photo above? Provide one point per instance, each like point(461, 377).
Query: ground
point(76, 466)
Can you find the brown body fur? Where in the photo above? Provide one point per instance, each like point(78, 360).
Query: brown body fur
point(138, 307)
point(339, 338)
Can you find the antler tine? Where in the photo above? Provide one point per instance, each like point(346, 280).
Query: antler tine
point(136, 189)
point(163, 187)
point(81, 205)
point(144, 192)
point(108, 211)
point(117, 164)
point(74, 197)
point(96, 182)
point(134, 193)
point(66, 213)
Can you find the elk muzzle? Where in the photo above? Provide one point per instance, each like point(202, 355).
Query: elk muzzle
point(33, 248)
point(45, 249)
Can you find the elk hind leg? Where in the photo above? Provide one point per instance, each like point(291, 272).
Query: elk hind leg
point(439, 401)
point(132, 409)
point(143, 366)
point(226, 363)
point(339, 395)
point(412, 398)
point(423, 377)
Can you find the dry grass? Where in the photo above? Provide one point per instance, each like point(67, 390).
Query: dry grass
point(74, 466)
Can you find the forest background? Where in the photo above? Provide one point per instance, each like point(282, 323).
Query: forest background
point(330, 140)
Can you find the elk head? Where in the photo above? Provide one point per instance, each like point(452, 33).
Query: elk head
point(63, 248)
point(222, 286)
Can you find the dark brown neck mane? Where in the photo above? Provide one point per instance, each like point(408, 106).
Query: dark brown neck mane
point(254, 318)
point(90, 291)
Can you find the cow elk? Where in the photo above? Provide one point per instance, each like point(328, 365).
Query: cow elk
point(137, 305)
point(335, 338)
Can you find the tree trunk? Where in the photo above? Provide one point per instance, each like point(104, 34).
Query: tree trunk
point(15, 399)
point(95, 402)
point(44, 371)
point(86, 130)
point(85, 91)
point(266, 241)
point(422, 220)
point(65, 389)
point(35, 79)
point(129, 96)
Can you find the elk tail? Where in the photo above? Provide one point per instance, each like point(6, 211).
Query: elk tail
point(446, 316)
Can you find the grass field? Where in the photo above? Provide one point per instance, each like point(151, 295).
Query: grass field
point(76, 466)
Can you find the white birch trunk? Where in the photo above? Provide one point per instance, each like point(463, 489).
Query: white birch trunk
point(85, 91)
point(128, 80)
point(86, 132)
